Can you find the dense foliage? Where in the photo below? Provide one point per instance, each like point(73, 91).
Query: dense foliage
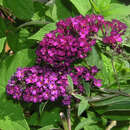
point(64, 65)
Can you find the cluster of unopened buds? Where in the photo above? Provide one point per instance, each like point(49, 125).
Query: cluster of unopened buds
point(72, 40)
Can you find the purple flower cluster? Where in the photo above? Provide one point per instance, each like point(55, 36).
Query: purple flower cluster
point(112, 32)
point(70, 41)
point(37, 84)
point(81, 72)
point(74, 37)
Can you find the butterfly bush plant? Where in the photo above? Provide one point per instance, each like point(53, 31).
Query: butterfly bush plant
point(72, 74)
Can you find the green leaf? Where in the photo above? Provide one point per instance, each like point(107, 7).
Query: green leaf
point(42, 106)
point(81, 124)
point(113, 100)
point(3, 28)
point(70, 84)
point(50, 116)
point(62, 10)
point(49, 127)
point(46, 29)
point(118, 115)
point(117, 11)
point(115, 1)
point(52, 13)
point(39, 13)
point(58, 11)
point(106, 72)
point(87, 88)
point(34, 120)
point(2, 42)
point(94, 58)
point(83, 7)
point(83, 105)
point(1, 2)
point(103, 4)
point(90, 123)
point(78, 96)
point(22, 58)
point(11, 115)
point(22, 9)
point(97, 10)
point(121, 106)
point(18, 40)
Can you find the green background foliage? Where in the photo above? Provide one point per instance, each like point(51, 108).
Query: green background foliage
point(95, 110)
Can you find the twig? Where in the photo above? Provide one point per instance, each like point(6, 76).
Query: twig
point(112, 124)
point(68, 117)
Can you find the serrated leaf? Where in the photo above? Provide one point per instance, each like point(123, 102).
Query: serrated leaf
point(2, 42)
point(83, 105)
point(22, 58)
point(46, 29)
point(22, 9)
point(83, 7)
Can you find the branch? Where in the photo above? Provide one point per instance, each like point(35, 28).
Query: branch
point(64, 121)
point(111, 125)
